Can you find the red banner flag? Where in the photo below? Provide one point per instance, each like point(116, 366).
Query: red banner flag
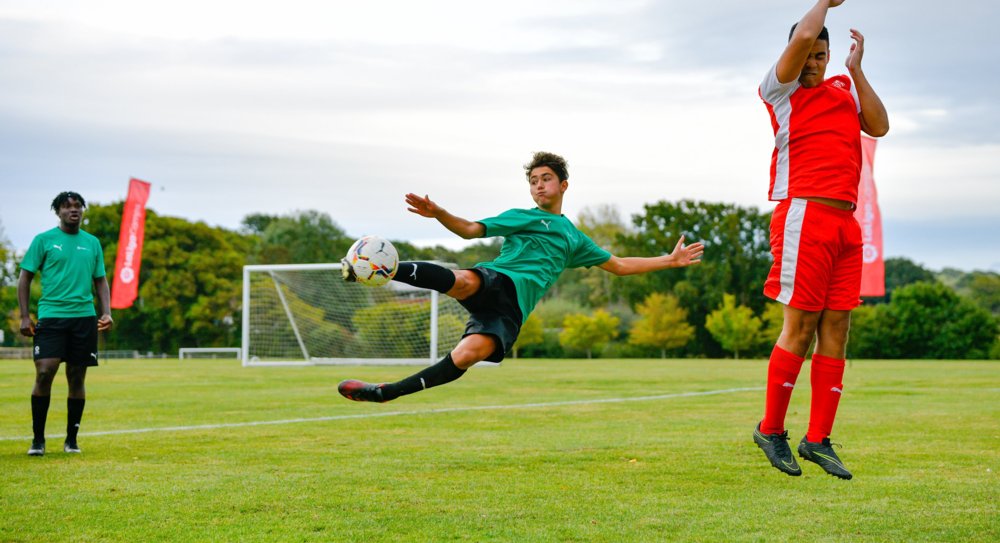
point(870, 219)
point(126, 281)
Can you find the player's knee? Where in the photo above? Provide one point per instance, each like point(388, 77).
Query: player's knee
point(75, 383)
point(799, 331)
point(467, 282)
point(45, 376)
point(472, 349)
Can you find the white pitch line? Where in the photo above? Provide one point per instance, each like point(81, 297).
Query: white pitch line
point(401, 413)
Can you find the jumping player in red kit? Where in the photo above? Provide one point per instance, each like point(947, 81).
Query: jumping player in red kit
point(815, 240)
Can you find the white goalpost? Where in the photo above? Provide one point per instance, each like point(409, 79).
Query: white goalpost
point(305, 314)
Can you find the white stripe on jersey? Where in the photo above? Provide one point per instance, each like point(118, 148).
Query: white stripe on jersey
point(778, 96)
point(782, 115)
point(790, 248)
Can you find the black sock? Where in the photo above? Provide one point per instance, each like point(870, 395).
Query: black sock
point(443, 372)
point(39, 412)
point(75, 408)
point(425, 275)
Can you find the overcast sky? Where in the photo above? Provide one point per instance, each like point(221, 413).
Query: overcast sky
point(237, 107)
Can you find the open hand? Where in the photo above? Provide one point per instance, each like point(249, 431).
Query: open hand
point(687, 255)
point(853, 61)
point(422, 206)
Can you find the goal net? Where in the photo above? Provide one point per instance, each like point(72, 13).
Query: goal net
point(298, 314)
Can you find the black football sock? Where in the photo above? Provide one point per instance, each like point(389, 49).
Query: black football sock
point(39, 412)
point(443, 372)
point(425, 275)
point(75, 408)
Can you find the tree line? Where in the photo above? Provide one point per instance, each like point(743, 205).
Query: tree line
point(190, 288)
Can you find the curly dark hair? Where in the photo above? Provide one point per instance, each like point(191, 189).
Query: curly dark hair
point(64, 197)
point(552, 160)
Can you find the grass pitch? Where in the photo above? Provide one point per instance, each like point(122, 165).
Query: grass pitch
point(533, 451)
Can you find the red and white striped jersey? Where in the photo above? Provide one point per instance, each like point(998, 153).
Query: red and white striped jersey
point(817, 138)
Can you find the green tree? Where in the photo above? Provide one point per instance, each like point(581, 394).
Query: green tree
point(983, 288)
point(662, 324)
point(900, 272)
point(8, 292)
point(734, 326)
point(772, 320)
point(737, 259)
point(398, 329)
point(587, 333)
point(190, 282)
point(301, 237)
point(594, 286)
point(923, 320)
point(532, 333)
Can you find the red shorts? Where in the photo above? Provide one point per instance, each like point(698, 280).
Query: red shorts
point(817, 257)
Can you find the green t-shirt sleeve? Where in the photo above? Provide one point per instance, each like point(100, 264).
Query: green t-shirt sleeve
point(34, 257)
point(504, 224)
point(588, 254)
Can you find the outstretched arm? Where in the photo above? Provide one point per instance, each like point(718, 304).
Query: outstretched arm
point(424, 207)
point(631, 265)
point(874, 118)
point(793, 59)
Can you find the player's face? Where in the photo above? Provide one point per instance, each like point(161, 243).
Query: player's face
point(815, 69)
point(546, 188)
point(71, 212)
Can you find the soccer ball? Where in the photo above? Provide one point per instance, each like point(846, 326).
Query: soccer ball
point(374, 261)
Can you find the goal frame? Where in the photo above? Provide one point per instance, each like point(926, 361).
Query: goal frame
point(249, 361)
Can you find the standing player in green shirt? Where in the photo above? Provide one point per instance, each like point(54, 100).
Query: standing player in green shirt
point(71, 263)
point(538, 245)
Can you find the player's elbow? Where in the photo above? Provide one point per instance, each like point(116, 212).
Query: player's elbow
point(477, 231)
point(617, 267)
point(471, 233)
point(876, 129)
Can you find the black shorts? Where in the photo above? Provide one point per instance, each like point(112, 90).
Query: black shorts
point(72, 340)
point(494, 311)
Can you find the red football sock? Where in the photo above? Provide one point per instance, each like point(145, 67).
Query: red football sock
point(781, 374)
point(827, 378)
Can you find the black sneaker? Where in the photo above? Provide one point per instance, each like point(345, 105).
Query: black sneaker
point(775, 447)
point(37, 448)
point(822, 454)
point(361, 391)
point(347, 271)
point(70, 446)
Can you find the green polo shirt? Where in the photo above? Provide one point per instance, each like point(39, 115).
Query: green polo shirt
point(68, 263)
point(537, 247)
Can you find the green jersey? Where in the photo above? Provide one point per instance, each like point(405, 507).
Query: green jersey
point(537, 247)
point(68, 263)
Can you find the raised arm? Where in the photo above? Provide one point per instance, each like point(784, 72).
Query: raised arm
point(873, 116)
point(793, 58)
point(681, 256)
point(424, 207)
